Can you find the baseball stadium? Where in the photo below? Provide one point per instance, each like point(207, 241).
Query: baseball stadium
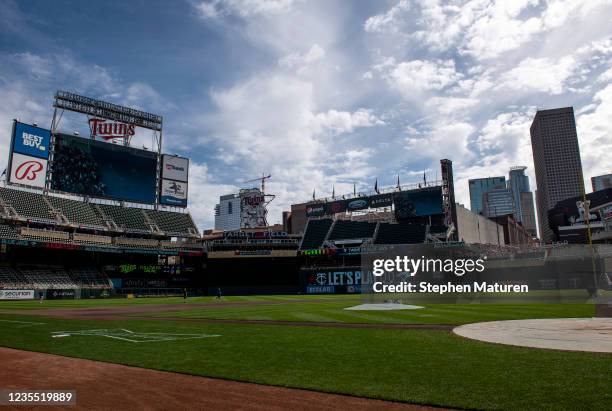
point(111, 297)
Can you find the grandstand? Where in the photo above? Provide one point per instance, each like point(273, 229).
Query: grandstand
point(346, 229)
point(315, 233)
point(77, 212)
point(57, 278)
point(322, 232)
point(28, 206)
point(88, 277)
point(24, 206)
point(400, 233)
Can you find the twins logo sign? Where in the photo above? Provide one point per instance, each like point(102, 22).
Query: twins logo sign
point(28, 170)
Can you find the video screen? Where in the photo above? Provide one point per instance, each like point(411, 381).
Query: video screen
point(98, 169)
point(418, 203)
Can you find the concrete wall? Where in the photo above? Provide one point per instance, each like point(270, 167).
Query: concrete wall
point(476, 229)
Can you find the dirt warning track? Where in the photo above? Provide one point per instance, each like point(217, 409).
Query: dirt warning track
point(104, 386)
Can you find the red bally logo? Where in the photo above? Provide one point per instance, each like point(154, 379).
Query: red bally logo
point(110, 130)
point(28, 170)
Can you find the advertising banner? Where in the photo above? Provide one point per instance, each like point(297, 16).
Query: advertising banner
point(315, 210)
point(381, 200)
point(31, 141)
point(357, 204)
point(27, 170)
point(173, 193)
point(175, 168)
point(16, 294)
point(340, 280)
point(61, 294)
point(336, 207)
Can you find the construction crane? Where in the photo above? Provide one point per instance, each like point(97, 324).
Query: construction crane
point(263, 179)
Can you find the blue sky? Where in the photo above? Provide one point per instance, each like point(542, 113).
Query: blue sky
point(320, 93)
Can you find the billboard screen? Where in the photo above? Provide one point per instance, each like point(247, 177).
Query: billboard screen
point(173, 193)
point(175, 168)
point(418, 203)
point(94, 168)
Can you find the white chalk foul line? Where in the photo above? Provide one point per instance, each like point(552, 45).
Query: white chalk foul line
point(23, 323)
point(131, 336)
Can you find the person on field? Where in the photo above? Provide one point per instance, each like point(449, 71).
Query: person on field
point(218, 293)
point(184, 295)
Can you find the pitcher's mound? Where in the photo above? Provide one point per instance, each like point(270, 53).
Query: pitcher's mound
point(384, 307)
point(574, 334)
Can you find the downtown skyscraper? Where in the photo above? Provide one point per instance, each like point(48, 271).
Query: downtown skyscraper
point(556, 158)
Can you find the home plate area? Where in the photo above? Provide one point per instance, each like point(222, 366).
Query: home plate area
point(573, 334)
point(131, 336)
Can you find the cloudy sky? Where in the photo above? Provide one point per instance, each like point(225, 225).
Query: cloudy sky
point(320, 93)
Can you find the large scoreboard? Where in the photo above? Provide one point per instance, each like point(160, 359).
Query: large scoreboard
point(102, 165)
point(95, 168)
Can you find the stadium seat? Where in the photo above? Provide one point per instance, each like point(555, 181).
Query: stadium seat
point(7, 231)
point(397, 233)
point(136, 242)
point(28, 205)
point(77, 212)
point(88, 277)
point(91, 239)
point(128, 219)
point(347, 229)
point(55, 278)
point(45, 235)
point(12, 279)
point(174, 224)
point(316, 231)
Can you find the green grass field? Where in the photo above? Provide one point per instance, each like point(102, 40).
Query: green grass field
point(419, 366)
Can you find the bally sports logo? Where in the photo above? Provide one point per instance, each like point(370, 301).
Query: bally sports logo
point(28, 170)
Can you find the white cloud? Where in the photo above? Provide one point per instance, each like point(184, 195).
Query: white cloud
point(606, 76)
point(498, 28)
point(595, 135)
point(444, 140)
point(242, 8)
point(339, 122)
point(381, 22)
point(416, 76)
point(482, 29)
point(539, 75)
point(300, 60)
